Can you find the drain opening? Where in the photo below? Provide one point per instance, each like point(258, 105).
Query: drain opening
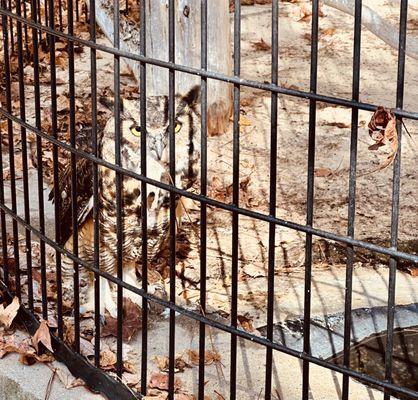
point(368, 357)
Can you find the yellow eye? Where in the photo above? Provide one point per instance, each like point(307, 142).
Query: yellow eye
point(177, 127)
point(136, 131)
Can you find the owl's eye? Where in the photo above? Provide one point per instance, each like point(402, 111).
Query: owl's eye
point(136, 131)
point(177, 128)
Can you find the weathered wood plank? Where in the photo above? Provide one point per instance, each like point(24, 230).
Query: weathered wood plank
point(187, 38)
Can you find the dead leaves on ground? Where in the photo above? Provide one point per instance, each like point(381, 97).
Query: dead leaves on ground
point(306, 13)
point(132, 321)
point(8, 313)
point(163, 363)
point(382, 129)
point(211, 357)
point(220, 191)
point(42, 335)
point(28, 353)
point(261, 45)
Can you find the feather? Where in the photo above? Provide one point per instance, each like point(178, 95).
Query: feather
point(84, 176)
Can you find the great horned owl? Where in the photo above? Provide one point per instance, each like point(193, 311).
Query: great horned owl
point(187, 137)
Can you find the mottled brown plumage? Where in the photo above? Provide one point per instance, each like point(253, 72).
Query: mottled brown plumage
point(187, 155)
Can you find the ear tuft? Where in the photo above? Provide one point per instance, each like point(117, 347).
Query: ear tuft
point(192, 98)
point(109, 103)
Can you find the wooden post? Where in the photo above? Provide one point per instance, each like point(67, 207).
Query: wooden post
point(187, 45)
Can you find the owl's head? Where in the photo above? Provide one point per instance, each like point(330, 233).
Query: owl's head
point(186, 130)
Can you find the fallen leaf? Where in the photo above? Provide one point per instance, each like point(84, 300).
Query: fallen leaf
point(163, 363)
point(130, 380)
point(86, 347)
point(328, 31)
point(338, 124)
point(323, 172)
point(160, 381)
point(42, 335)
point(245, 323)
point(63, 103)
point(261, 45)
point(211, 356)
point(184, 396)
point(27, 354)
point(306, 13)
point(131, 321)
point(8, 314)
point(382, 129)
point(68, 380)
point(107, 359)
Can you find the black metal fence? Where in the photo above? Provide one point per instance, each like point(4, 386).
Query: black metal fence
point(43, 29)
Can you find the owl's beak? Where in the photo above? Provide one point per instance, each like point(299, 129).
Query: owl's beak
point(159, 149)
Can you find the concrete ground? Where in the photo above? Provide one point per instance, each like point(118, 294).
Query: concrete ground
point(22, 382)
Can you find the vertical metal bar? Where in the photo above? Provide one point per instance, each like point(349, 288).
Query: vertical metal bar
point(11, 154)
point(235, 198)
point(38, 124)
point(310, 197)
point(46, 16)
point(11, 27)
point(39, 19)
point(143, 119)
point(26, 29)
point(57, 194)
point(395, 194)
point(203, 190)
point(26, 200)
point(119, 178)
point(77, 14)
point(5, 258)
point(71, 84)
point(60, 13)
point(86, 12)
point(172, 168)
point(352, 195)
point(95, 148)
point(273, 191)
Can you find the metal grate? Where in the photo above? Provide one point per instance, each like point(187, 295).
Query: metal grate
point(35, 29)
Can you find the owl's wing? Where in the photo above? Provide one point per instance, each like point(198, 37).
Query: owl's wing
point(84, 176)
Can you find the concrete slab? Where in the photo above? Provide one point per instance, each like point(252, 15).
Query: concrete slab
point(22, 382)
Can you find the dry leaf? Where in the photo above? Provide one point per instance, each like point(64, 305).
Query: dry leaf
point(184, 396)
point(68, 380)
point(306, 13)
point(8, 314)
point(246, 323)
point(412, 270)
point(131, 321)
point(382, 129)
point(323, 172)
point(86, 347)
point(107, 359)
point(163, 363)
point(211, 356)
point(24, 349)
point(63, 103)
point(42, 335)
point(160, 381)
point(328, 31)
point(261, 45)
point(130, 380)
point(338, 124)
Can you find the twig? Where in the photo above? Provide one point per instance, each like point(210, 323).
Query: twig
point(50, 382)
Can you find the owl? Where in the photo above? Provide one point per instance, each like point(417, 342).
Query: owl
point(187, 138)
